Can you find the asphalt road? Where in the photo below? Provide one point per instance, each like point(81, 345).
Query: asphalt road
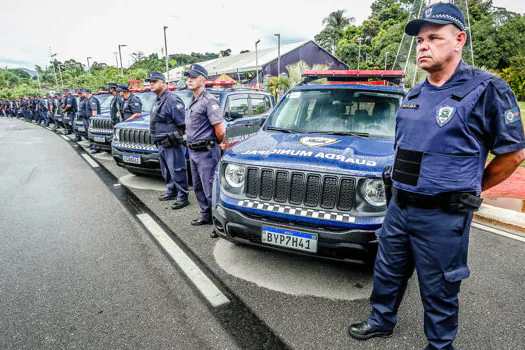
point(79, 271)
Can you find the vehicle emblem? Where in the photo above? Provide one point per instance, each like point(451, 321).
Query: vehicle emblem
point(313, 141)
point(444, 115)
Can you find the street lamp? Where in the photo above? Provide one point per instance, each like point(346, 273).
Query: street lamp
point(120, 54)
point(89, 68)
point(116, 59)
point(386, 56)
point(53, 63)
point(278, 55)
point(359, 52)
point(257, 63)
point(166, 55)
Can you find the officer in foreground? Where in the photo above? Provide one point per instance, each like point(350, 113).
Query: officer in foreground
point(92, 109)
point(70, 108)
point(82, 114)
point(167, 130)
point(438, 177)
point(131, 107)
point(116, 102)
point(204, 132)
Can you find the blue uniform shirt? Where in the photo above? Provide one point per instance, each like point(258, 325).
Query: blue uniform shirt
point(114, 107)
point(70, 100)
point(92, 104)
point(202, 114)
point(82, 109)
point(471, 114)
point(131, 105)
point(41, 108)
point(167, 115)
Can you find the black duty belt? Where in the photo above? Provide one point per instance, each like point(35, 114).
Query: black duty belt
point(452, 202)
point(201, 145)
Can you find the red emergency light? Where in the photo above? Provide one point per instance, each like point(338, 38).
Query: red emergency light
point(134, 81)
point(371, 77)
point(220, 83)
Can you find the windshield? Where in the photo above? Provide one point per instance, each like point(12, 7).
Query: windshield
point(185, 96)
point(148, 99)
point(338, 111)
point(104, 100)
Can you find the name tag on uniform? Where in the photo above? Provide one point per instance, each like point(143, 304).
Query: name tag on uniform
point(410, 106)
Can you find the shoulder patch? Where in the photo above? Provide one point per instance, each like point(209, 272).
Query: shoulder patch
point(215, 107)
point(512, 115)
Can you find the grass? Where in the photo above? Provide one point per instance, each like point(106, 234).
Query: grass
point(522, 109)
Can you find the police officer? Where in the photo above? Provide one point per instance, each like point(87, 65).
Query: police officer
point(131, 107)
point(82, 114)
point(33, 108)
point(116, 102)
point(51, 105)
point(70, 108)
point(438, 177)
point(204, 132)
point(167, 130)
point(92, 109)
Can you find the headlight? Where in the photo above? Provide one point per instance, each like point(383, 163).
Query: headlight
point(373, 191)
point(234, 175)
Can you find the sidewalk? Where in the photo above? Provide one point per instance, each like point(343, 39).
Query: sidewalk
point(504, 204)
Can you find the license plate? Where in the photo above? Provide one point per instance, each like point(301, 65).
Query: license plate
point(289, 239)
point(81, 128)
point(99, 138)
point(131, 158)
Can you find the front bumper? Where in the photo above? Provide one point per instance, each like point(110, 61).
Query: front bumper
point(351, 245)
point(106, 145)
point(149, 161)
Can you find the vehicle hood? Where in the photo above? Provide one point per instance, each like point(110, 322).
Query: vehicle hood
point(139, 123)
point(314, 152)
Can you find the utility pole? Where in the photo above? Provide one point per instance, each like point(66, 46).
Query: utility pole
point(120, 54)
point(53, 63)
point(278, 55)
point(59, 71)
point(359, 52)
point(166, 55)
point(89, 68)
point(116, 58)
point(257, 63)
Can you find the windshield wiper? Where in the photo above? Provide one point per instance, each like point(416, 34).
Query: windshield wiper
point(275, 128)
point(350, 133)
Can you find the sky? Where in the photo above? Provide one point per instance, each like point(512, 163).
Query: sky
point(81, 29)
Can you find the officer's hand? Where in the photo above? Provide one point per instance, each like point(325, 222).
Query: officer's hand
point(222, 146)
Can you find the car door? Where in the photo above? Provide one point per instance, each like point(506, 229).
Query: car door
point(237, 109)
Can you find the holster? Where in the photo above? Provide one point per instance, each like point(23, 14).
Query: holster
point(387, 180)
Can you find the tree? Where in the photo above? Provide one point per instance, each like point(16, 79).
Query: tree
point(295, 71)
point(335, 24)
point(137, 56)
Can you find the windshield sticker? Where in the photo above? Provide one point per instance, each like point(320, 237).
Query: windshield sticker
point(313, 141)
point(295, 94)
point(310, 154)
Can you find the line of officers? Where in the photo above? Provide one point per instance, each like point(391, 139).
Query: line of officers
point(175, 128)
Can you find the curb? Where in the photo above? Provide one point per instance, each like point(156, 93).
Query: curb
point(507, 218)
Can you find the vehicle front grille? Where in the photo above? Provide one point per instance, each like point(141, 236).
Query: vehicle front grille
point(100, 125)
point(135, 138)
point(325, 191)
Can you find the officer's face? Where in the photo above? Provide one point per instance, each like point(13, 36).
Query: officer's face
point(195, 83)
point(438, 45)
point(157, 86)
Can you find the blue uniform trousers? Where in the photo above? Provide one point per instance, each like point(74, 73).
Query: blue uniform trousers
point(46, 118)
point(173, 168)
point(433, 242)
point(203, 165)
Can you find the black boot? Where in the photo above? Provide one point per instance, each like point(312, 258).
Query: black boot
point(364, 331)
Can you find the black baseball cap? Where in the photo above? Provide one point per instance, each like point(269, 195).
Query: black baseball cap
point(155, 76)
point(440, 13)
point(196, 70)
point(122, 87)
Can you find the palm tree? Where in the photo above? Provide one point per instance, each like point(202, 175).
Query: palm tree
point(337, 20)
point(295, 71)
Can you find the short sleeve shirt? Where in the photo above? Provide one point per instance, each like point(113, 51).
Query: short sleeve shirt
point(201, 116)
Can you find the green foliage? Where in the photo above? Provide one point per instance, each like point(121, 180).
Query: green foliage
point(277, 86)
point(515, 77)
point(295, 71)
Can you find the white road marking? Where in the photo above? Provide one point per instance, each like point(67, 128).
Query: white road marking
point(65, 137)
point(89, 160)
point(208, 289)
point(498, 232)
point(116, 185)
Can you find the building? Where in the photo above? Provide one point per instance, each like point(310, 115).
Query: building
point(243, 67)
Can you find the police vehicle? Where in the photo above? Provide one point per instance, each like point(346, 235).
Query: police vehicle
point(102, 97)
point(310, 180)
point(244, 111)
